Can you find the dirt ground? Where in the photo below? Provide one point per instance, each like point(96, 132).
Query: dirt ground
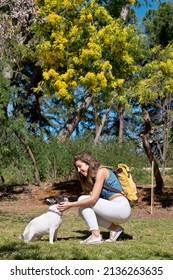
point(27, 197)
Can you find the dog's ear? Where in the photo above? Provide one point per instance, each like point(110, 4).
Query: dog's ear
point(47, 201)
point(50, 201)
point(62, 198)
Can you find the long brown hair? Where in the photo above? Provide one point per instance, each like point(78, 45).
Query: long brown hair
point(87, 182)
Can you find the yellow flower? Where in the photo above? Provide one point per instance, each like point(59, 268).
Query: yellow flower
point(73, 84)
point(73, 30)
point(90, 77)
point(106, 65)
point(67, 3)
point(120, 82)
point(46, 75)
point(75, 60)
point(89, 16)
point(53, 18)
point(102, 81)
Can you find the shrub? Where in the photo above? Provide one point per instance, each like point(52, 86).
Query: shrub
point(55, 158)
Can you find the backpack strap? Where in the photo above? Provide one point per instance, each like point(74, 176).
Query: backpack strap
point(112, 189)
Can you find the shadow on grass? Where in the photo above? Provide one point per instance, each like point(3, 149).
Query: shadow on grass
point(19, 251)
point(105, 235)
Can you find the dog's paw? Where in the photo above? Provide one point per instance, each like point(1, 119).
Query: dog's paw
point(21, 237)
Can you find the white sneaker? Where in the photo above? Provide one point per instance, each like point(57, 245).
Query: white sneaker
point(92, 240)
point(115, 234)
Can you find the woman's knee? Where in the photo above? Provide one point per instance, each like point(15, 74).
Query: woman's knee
point(81, 208)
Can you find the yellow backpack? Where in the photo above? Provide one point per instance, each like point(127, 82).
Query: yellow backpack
point(124, 176)
point(128, 185)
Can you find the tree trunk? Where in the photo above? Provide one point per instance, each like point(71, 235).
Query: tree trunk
point(166, 132)
point(73, 121)
point(165, 148)
point(121, 124)
point(31, 155)
point(96, 140)
point(150, 155)
point(96, 118)
point(124, 13)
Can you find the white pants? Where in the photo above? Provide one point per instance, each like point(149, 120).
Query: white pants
point(105, 212)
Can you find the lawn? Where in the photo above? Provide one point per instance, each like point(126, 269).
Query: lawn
point(143, 238)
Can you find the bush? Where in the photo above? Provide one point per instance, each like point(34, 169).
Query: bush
point(55, 158)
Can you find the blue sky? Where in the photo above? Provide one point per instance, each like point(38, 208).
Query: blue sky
point(142, 10)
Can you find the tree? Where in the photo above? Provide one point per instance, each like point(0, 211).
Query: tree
point(17, 81)
point(159, 25)
point(83, 52)
point(16, 18)
point(115, 8)
point(149, 153)
point(19, 66)
point(155, 88)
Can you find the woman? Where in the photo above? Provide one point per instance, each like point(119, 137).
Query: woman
point(99, 207)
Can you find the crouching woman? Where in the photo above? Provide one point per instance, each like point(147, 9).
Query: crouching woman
point(99, 207)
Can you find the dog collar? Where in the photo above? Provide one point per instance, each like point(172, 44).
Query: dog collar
point(58, 213)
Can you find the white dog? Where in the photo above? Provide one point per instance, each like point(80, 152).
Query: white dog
point(47, 223)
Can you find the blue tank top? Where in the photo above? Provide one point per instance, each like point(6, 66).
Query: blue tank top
point(111, 181)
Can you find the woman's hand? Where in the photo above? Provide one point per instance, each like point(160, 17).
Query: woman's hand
point(64, 206)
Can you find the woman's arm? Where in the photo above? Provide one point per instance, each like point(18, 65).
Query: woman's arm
point(100, 177)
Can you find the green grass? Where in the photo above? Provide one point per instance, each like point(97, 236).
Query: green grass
point(143, 239)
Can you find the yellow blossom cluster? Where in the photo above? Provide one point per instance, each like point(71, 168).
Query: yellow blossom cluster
point(96, 82)
point(81, 46)
point(158, 81)
point(54, 19)
point(60, 82)
point(92, 52)
point(50, 74)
